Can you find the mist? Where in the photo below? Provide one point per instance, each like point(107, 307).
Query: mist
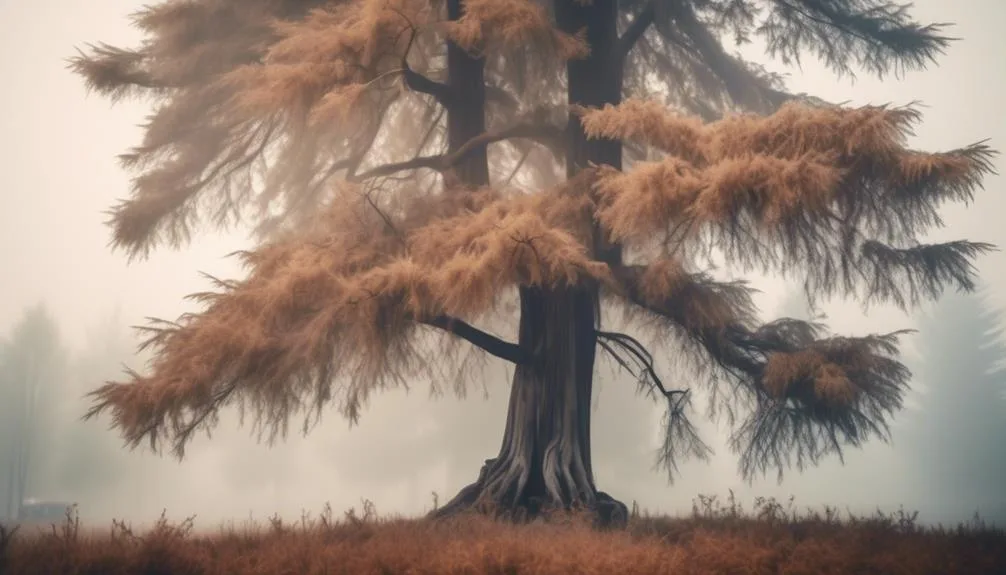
point(60, 175)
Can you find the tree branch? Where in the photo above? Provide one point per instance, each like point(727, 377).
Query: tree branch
point(608, 340)
point(483, 340)
point(418, 83)
point(414, 80)
point(541, 133)
point(743, 87)
point(636, 29)
point(732, 346)
point(681, 439)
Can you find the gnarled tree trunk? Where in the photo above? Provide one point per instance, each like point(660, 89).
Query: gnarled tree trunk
point(544, 460)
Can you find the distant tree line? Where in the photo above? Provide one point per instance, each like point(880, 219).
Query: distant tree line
point(955, 439)
point(46, 451)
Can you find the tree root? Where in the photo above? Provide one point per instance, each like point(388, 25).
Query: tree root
point(514, 503)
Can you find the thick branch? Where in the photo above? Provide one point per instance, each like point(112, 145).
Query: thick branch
point(414, 80)
point(544, 134)
point(635, 31)
point(486, 341)
point(418, 83)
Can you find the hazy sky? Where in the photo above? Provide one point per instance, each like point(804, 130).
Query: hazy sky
point(58, 147)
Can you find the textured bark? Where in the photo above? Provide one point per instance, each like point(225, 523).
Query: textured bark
point(544, 461)
point(466, 116)
point(593, 82)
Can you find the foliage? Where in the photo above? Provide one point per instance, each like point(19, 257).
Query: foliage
point(318, 123)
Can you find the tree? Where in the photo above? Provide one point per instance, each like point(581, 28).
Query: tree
point(387, 150)
point(31, 365)
point(89, 461)
point(955, 438)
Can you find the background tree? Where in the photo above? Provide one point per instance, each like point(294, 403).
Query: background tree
point(88, 462)
point(954, 441)
point(31, 367)
point(391, 148)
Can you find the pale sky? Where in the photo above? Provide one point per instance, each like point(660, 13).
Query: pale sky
point(59, 145)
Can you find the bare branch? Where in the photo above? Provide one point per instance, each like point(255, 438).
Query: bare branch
point(632, 346)
point(681, 439)
point(483, 340)
point(544, 134)
point(635, 31)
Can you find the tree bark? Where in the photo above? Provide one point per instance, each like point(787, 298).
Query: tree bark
point(466, 112)
point(544, 461)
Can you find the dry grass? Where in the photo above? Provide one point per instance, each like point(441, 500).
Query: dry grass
point(716, 538)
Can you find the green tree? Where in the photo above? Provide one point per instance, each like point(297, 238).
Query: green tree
point(31, 367)
point(415, 168)
point(955, 438)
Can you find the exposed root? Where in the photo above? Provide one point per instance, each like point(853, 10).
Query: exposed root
point(501, 492)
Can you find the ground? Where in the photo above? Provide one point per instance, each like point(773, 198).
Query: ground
point(714, 539)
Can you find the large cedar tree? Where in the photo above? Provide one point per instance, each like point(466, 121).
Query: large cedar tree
point(417, 168)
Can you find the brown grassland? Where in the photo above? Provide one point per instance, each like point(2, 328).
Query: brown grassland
point(716, 538)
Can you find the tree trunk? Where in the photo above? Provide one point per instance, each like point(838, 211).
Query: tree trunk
point(466, 113)
point(544, 460)
point(593, 82)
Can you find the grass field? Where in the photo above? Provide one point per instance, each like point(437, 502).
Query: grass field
point(716, 538)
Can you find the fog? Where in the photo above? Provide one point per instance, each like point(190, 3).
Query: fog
point(58, 148)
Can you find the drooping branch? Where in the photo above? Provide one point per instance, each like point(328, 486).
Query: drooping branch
point(156, 212)
point(806, 396)
point(502, 349)
point(681, 439)
point(743, 87)
point(183, 424)
point(879, 37)
point(609, 340)
point(713, 313)
point(545, 134)
point(907, 276)
point(115, 72)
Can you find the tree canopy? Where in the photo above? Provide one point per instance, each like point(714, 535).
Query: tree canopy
point(321, 123)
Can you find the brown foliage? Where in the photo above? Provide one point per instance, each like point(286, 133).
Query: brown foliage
point(332, 313)
point(500, 25)
point(341, 303)
point(304, 110)
point(239, 93)
point(819, 190)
